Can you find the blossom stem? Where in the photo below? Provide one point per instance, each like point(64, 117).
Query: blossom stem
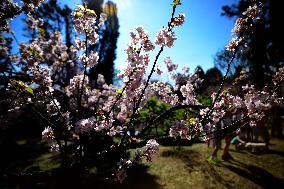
point(55, 104)
point(121, 94)
point(84, 76)
point(136, 106)
point(154, 65)
point(205, 119)
point(148, 80)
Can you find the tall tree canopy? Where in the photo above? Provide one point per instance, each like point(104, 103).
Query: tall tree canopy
point(107, 44)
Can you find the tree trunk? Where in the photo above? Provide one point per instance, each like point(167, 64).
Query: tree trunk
point(276, 131)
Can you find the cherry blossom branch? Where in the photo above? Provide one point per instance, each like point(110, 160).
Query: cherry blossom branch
point(121, 94)
point(170, 27)
point(243, 118)
point(219, 90)
point(55, 104)
point(136, 106)
point(84, 76)
point(148, 80)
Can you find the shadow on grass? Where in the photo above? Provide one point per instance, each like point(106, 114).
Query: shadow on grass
point(193, 161)
point(255, 174)
point(239, 151)
point(21, 167)
point(276, 152)
point(263, 152)
point(197, 164)
point(138, 178)
point(180, 152)
point(190, 157)
point(24, 167)
point(16, 157)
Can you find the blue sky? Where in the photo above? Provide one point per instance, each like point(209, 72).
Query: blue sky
point(204, 32)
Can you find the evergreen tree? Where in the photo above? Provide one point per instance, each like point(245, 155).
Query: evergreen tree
point(107, 44)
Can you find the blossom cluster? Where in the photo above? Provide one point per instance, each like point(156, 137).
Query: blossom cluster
point(52, 52)
point(90, 60)
point(152, 148)
point(257, 102)
point(53, 107)
point(33, 23)
point(165, 92)
point(179, 20)
point(120, 174)
point(138, 58)
point(235, 43)
point(85, 125)
point(170, 66)
point(48, 136)
point(279, 76)
point(76, 83)
point(30, 5)
point(244, 25)
point(165, 37)
point(42, 76)
point(180, 129)
point(85, 23)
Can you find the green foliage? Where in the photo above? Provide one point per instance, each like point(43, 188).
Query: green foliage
point(152, 109)
point(120, 92)
point(22, 86)
point(106, 47)
point(204, 100)
point(18, 84)
point(41, 31)
point(29, 90)
point(91, 12)
point(177, 2)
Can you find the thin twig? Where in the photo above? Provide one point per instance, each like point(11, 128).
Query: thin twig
point(203, 121)
point(80, 90)
point(136, 106)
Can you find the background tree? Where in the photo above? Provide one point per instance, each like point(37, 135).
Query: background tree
point(211, 82)
point(108, 41)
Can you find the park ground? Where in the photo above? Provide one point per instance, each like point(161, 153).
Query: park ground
point(174, 168)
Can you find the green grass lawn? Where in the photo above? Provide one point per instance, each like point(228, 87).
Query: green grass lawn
point(173, 168)
point(187, 168)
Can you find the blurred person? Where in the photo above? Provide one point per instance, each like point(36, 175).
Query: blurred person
point(225, 123)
